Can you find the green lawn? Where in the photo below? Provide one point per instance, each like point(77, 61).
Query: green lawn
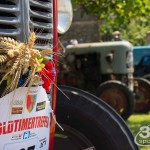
point(135, 122)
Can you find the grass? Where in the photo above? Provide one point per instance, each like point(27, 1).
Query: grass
point(136, 121)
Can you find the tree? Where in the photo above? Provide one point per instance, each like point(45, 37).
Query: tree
point(118, 14)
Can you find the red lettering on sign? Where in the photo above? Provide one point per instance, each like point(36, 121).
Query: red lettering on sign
point(1, 128)
point(16, 123)
point(24, 124)
point(10, 127)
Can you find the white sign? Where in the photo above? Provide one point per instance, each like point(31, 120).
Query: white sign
point(25, 120)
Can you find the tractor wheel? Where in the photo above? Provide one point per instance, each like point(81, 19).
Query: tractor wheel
point(89, 123)
point(142, 95)
point(147, 77)
point(118, 96)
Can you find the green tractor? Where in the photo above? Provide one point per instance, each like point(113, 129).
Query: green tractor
point(106, 70)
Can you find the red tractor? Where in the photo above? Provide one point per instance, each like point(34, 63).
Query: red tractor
point(88, 122)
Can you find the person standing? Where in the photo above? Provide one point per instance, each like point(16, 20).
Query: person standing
point(117, 36)
point(148, 38)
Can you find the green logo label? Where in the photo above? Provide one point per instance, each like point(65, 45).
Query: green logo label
point(143, 136)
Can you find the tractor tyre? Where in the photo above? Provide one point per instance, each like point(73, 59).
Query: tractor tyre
point(142, 95)
point(118, 96)
point(97, 124)
point(147, 77)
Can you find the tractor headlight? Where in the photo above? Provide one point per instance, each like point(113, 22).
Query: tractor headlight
point(65, 15)
point(129, 59)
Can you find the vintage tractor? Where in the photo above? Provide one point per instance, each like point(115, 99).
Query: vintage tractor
point(105, 69)
point(88, 122)
point(142, 72)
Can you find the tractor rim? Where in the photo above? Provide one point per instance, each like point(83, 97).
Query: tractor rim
point(115, 98)
point(142, 97)
point(72, 139)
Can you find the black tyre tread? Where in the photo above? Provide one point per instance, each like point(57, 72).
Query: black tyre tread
point(147, 84)
point(94, 118)
point(130, 97)
point(78, 140)
point(147, 77)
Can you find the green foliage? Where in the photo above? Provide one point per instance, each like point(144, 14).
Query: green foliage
point(131, 17)
point(135, 32)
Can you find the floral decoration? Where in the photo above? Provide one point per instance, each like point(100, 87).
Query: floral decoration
point(23, 65)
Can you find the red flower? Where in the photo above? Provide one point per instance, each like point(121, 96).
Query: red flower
point(48, 75)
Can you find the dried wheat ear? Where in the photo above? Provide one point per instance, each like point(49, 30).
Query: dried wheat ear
point(16, 58)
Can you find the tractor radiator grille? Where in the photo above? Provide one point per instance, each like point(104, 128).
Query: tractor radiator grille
point(20, 17)
point(41, 22)
point(9, 18)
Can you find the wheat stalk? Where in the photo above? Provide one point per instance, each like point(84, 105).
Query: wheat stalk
point(16, 58)
point(8, 42)
point(31, 40)
point(3, 59)
point(45, 52)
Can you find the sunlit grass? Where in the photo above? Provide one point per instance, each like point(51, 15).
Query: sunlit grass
point(135, 122)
